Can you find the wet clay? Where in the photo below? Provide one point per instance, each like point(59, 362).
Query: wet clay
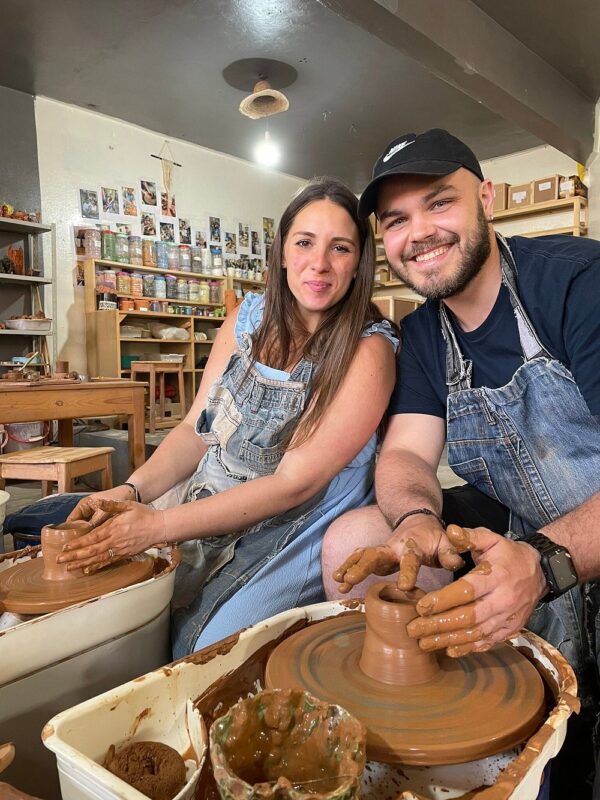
point(153, 768)
point(40, 585)
point(285, 743)
point(53, 539)
point(469, 708)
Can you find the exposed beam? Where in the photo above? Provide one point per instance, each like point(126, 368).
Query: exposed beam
point(463, 46)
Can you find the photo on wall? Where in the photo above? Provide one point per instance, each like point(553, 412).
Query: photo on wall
point(88, 201)
point(268, 230)
point(110, 200)
point(214, 224)
point(255, 241)
point(130, 208)
point(230, 243)
point(123, 227)
point(148, 192)
point(185, 231)
point(243, 234)
point(200, 239)
point(167, 209)
point(167, 232)
point(148, 224)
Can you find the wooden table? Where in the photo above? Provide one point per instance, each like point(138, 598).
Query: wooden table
point(32, 402)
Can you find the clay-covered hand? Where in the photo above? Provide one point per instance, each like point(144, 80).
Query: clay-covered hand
point(489, 604)
point(416, 543)
point(90, 510)
point(129, 529)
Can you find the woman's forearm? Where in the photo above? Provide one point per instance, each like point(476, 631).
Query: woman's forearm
point(175, 459)
point(234, 509)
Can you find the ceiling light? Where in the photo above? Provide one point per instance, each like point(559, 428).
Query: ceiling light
point(267, 152)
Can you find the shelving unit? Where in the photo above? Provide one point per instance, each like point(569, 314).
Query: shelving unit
point(23, 294)
point(568, 215)
point(106, 345)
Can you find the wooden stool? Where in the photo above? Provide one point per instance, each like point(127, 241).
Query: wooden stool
point(160, 368)
point(61, 464)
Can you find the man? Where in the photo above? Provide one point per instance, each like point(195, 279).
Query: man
point(502, 364)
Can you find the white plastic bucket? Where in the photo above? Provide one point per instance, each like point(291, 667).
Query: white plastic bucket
point(24, 436)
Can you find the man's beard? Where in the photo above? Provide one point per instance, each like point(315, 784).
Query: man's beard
point(474, 252)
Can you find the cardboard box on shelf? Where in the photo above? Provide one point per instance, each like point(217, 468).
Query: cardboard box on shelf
point(501, 196)
point(546, 188)
point(519, 195)
point(571, 187)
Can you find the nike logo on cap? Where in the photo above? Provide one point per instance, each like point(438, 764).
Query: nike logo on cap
point(396, 149)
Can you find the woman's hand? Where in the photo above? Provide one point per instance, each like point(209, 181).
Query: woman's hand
point(89, 510)
point(124, 529)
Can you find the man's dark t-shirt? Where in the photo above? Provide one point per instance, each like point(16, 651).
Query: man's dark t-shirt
point(558, 280)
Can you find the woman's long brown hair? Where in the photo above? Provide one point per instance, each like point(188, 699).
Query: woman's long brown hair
point(282, 336)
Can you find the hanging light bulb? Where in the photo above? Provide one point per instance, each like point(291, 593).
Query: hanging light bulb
point(267, 152)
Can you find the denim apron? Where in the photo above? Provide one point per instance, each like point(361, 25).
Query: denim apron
point(246, 420)
point(534, 446)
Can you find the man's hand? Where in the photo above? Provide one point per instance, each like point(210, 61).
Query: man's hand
point(418, 541)
point(122, 529)
point(489, 604)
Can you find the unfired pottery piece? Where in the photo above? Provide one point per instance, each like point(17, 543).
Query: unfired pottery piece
point(40, 585)
point(288, 745)
point(153, 768)
point(469, 708)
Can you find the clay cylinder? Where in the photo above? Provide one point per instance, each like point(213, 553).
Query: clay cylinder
point(389, 655)
point(53, 539)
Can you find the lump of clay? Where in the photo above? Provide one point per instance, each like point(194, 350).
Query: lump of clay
point(153, 768)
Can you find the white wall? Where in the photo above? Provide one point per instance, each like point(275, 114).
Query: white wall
point(81, 149)
point(528, 165)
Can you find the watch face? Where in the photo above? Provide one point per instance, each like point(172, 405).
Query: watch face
point(563, 571)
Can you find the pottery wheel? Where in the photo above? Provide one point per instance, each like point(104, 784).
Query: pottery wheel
point(23, 591)
point(476, 706)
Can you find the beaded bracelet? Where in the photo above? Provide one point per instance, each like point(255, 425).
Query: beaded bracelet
point(426, 511)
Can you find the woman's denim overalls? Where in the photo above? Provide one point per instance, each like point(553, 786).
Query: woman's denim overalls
point(247, 417)
point(534, 446)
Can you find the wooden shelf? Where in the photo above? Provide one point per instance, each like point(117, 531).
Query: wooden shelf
point(25, 333)
point(582, 231)
point(166, 300)
point(146, 339)
point(155, 270)
point(248, 282)
point(149, 314)
point(8, 278)
point(538, 208)
point(21, 226)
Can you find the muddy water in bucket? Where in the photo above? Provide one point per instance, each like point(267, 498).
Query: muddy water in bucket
point(419, 709)
point(287, 744)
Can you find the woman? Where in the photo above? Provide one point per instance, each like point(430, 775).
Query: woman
point(279, 441)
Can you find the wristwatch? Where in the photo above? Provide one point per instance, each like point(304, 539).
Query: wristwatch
point(555, 561)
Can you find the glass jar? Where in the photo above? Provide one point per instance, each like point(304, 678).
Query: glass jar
point(123, 283)
point(206, 260)
point(160, 286)
point(137, 286)
point(172, 256)
point(148, 253)
point(204, 292)
point(108, 245)
point(162, 257)
point(182, 289)
point(194, 289)
point(214, 291)
point(217, 265)
point(109, 281)
point(121, 248)
point(185, 257)
point(148, 285)
point(171, 281)
point(135, 250)
point(92, 243)
point(196, 259)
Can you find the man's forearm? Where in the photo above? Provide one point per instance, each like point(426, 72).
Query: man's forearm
point(579, 532)
point(403, 481)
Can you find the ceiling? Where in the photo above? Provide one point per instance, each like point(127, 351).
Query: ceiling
point(158, 64)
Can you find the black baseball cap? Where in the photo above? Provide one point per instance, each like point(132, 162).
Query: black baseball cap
point(435, 152)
